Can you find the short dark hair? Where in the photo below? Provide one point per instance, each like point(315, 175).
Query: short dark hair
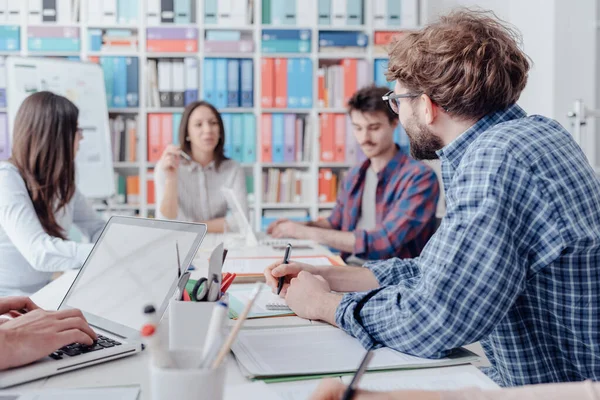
point(368, 99)
point(469, 63)
point(219, 152)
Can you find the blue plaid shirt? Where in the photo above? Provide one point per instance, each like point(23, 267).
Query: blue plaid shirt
point(515, 263)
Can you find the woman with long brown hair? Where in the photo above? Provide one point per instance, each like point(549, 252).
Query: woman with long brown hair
point(190, 190)
point(39, 202)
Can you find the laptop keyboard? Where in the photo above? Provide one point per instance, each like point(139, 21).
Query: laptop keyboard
point(76, 349)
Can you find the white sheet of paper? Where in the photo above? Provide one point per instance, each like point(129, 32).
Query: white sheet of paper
point(448, 378)
point(258, 265)
point(313, 350)
point(251, 391)
point(259, 308)
point(300, 390)
point(113, 393)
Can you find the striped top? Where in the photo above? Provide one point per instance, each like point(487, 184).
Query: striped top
point(199, 195)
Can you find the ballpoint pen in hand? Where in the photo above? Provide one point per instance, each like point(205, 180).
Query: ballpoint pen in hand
point(286, 260)
point(362, 368)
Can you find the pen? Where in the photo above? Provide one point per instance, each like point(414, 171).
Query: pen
point(362, 368)
point(178, 261)
point(286, 260)
point(185, 156)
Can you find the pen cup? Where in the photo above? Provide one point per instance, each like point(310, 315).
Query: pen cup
point(187, 381)
point(189, 322)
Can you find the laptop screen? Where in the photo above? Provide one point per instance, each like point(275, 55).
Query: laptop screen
point(134, 263)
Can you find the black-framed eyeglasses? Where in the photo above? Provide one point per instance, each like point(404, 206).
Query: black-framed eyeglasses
point(393, 100)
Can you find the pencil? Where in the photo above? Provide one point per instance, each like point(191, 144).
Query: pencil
point(236, 329)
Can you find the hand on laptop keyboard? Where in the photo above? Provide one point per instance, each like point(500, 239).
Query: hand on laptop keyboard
point(76, 349)
point(34, 335)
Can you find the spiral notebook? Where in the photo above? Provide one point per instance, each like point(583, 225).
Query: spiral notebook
point(267, 303)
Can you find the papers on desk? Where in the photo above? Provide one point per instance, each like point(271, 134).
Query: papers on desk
point(250, 391)
point(256, 265)
point(322, 350)
point(240, 294)
point(452, 378)
point(101, 393)
point(300, 390)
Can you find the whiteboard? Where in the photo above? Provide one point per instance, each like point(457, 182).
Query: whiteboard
point(83, 84)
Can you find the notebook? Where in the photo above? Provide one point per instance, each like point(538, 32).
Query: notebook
point(267, 303)
point(320, 350)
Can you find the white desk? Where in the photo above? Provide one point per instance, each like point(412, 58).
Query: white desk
point(134, 370)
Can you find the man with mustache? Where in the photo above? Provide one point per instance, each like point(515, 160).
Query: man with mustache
point(515, 263)
point(386, 206)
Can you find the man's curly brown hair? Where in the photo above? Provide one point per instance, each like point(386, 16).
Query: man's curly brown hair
point(469, 63)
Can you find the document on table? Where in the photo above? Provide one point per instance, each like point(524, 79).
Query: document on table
point(250, 391)
point(239, 295)
point(256, 266)
point(100, 393)
point(297, 351)
point(300, 390)
point(448, 378)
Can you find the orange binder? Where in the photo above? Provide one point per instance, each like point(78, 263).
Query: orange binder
point(172, 46)
point(267, 94)
point(349, 71)
point(266, 138)
point(326, 138)
point(340, 138)
point(166, 131)
point(281, 82)
point(150, 192)
point(133, 189)
point(321, 87)
point(154, 137)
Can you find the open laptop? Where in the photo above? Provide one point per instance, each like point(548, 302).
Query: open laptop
point(134, 263)
point(244, 227)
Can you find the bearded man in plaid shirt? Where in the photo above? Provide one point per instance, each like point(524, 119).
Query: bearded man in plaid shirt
point(515, 263)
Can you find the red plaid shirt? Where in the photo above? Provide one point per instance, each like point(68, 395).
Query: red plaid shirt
point(406, 200)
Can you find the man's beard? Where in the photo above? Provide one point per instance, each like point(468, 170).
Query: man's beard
point(423, 143)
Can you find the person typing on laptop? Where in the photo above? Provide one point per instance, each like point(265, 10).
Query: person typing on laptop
point(28, 337)
point(386, 207)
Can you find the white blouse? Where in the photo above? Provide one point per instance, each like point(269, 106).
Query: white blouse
point(28, 255)
point(199, 190)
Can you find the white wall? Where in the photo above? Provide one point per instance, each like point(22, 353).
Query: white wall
point(560, 38)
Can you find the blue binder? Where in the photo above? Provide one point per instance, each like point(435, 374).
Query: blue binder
point(238, 138)
point(247, 83)
point(249, 138)
point(209, 93)
point(233, 83)
point(278, 138)
point(221, 83)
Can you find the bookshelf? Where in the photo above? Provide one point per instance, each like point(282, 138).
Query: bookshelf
point(143, 168)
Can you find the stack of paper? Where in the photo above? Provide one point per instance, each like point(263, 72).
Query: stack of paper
point(321, 350)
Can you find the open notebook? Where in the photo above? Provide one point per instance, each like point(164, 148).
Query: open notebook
point(267, 303)
point(321, 350)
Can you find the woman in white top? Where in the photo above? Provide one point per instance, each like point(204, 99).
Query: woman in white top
point(38, 199)
point(190, 190)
